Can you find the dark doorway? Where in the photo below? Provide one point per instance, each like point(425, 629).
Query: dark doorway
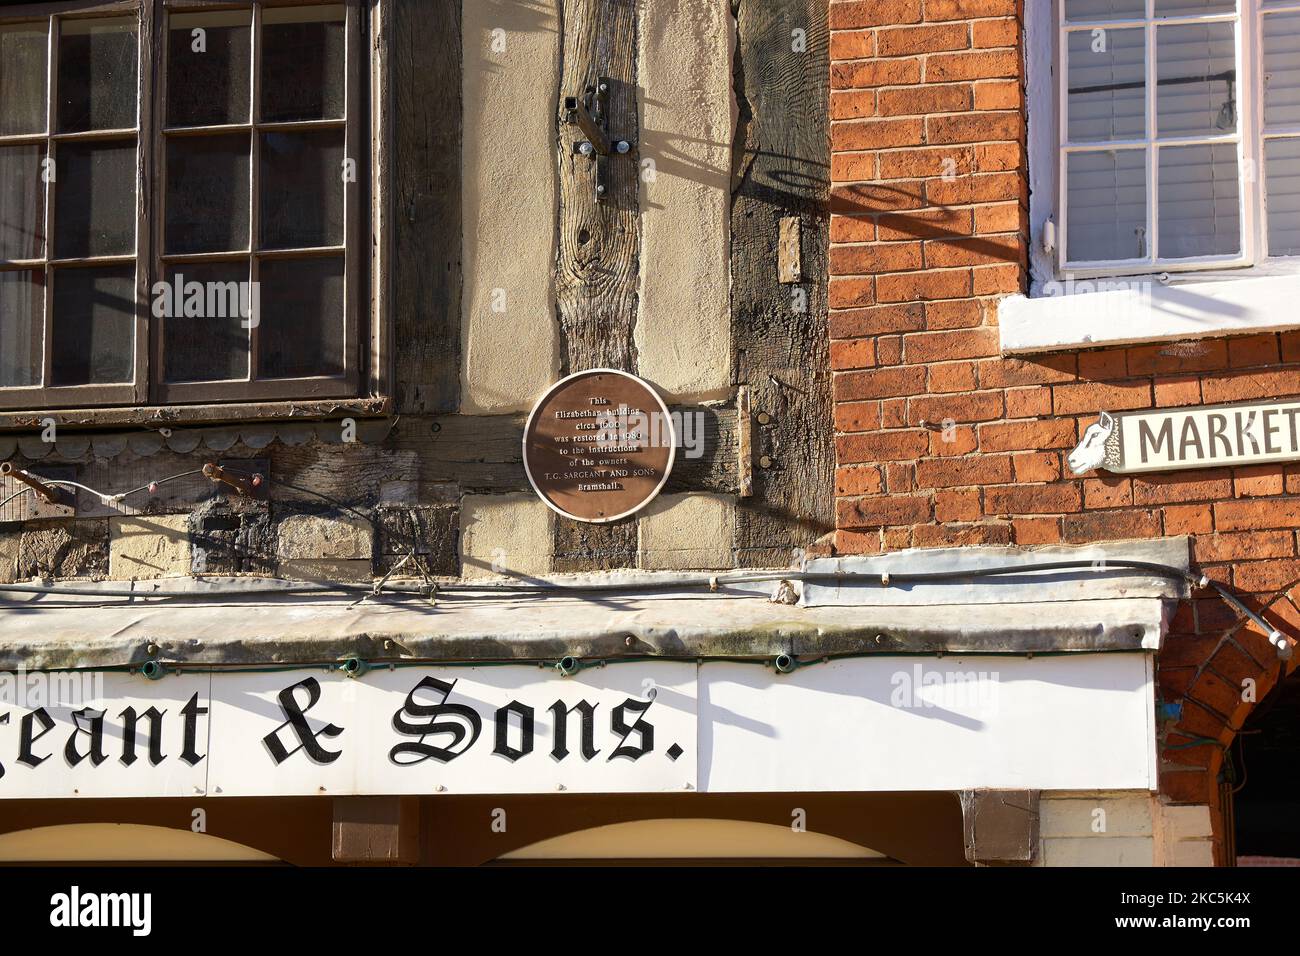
point(1264, 771)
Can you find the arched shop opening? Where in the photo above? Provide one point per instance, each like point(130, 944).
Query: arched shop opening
point(694, 840)
point(1235, 709)
point(1263, 770)
point(835, 829)
point(122, 843)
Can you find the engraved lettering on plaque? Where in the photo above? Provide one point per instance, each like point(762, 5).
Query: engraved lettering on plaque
point(599, 445)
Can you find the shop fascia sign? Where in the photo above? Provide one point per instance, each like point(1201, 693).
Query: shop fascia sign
point(631, 726)
point(1198, 437)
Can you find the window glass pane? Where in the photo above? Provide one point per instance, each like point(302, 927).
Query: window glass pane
point(1282, 182)
point(22, 78)
point(1105, 9)
point(204, 338)
point(1199, 201)
point(301, 323)
point(97, 74)
point(301, 189)
point(303, 58)
point(1106, 202)
point(207, 193)
point(22, 202)
point(208, 68)
point(1282, 69)
point(1107, 94)
point(93, 325)
point(22, 301)
point(1196, 86)
point(94, 205)
point(1178, 8)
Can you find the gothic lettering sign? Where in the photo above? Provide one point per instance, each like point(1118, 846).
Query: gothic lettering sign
point(407, 730)
point(642, 726)
point(1200, 437)
point(599, 445)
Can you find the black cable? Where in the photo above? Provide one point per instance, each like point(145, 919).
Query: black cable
point(713, 582)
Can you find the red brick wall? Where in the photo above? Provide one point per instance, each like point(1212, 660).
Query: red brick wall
point(939, 439)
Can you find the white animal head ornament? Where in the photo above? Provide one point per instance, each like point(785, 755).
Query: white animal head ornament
point(1100, 446)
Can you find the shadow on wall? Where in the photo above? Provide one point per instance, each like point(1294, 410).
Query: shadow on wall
point(504, 17)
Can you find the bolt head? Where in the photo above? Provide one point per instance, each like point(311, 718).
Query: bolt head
point(623, 146)
point(600, 190)
point(586, 149)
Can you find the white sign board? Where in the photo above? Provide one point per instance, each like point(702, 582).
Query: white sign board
point(875, 723)
point(1199, 437)
point(1067, 722)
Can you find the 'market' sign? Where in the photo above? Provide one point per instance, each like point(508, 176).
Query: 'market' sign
point(1201, 437)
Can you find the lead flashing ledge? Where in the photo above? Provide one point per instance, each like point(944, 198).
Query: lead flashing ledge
point(742, 615)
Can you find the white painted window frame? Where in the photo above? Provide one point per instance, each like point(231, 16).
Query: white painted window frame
point(1152, 144)
point(1146, 300)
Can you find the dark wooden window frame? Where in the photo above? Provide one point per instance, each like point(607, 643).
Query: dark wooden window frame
point(365, 336)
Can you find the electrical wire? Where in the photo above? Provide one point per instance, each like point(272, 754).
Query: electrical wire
point(888, 578)
point(101, 495)
point(713, 582)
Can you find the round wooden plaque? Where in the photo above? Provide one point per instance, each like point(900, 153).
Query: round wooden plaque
point(599, 445)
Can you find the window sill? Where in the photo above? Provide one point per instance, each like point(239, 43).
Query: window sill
point(163, 416)
point(1136, 311)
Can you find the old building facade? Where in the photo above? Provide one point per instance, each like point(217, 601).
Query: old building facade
point(282, 282)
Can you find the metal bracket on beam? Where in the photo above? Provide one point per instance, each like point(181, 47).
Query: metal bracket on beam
point(55, 496)
point(590, 113)
point(247, 486)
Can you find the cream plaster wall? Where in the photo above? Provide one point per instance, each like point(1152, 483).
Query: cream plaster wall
point(505, 535)
point(687, 532)
point(686, 108)
point(152, 546)
point(509, 335)
point(687, 118)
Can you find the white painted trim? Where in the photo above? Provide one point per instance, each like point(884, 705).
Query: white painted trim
point(1129, 312)
point(1041, 119)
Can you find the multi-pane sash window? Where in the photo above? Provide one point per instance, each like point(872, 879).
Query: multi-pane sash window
point(1179, 132)
point(180, 202)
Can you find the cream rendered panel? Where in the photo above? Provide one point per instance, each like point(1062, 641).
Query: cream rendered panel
point(687, 122)
point(509, 336)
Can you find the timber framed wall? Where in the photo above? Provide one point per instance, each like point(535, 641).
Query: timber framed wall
point(499, 271)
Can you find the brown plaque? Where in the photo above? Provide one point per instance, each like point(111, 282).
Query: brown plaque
point(599, 445)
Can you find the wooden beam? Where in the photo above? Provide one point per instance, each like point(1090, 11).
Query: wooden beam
point(780, 173)
point(598, 240)
point(376, 830)
point(424, 38)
